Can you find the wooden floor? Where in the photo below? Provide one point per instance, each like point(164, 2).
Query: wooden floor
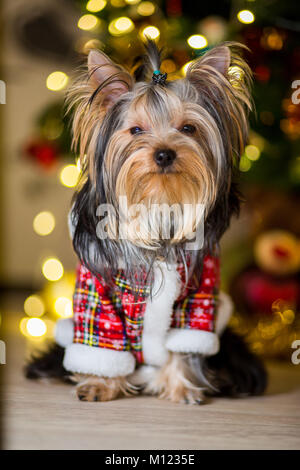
point(48, 416)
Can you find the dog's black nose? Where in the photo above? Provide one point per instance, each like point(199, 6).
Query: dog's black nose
point(164, 157)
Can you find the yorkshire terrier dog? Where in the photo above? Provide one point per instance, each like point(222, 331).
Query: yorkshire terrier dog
point(148, 314)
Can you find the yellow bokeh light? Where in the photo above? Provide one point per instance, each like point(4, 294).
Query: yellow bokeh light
point(185, 67)
point(197, 41)
point(22, 326)
point(146, 9)
point(34, 306)
point(63, 307)
point(245, 163)
point(252, 152)
point(117, 3)
point(69, 176)
point(95, 5)
point(168, 66)
point(151, 32)
point(52, 269)
point(119, 26)
point(56, 81)
point(44, 223)
point(36, 327)
point(88, 22)
point(132, 2)
point(246, 16)
point(90, 44)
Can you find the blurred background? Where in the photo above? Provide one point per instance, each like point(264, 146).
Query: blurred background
point(43, 43)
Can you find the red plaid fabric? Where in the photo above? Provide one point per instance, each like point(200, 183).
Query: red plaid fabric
point(112, 318)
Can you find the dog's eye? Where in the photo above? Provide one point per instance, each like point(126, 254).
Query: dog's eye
point(188, 129)
point(136, 130)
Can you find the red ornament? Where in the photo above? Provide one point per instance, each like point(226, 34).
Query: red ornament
point(44, 153)
point(262, 73)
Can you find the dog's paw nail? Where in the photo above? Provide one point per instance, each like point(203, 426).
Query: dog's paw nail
point(81, 397)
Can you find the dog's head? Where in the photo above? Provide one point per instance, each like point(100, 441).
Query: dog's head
point(156, 141)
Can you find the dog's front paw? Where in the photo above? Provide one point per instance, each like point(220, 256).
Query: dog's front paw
point(93, 388)
point(183, 394)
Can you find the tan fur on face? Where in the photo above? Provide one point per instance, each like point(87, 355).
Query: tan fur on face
point(175, 382)
point(93, 388)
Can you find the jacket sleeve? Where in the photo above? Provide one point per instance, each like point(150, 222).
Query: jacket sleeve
point(94, 339)
point(197, 323)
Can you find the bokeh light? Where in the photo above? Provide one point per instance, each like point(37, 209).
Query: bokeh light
point(197, 41)
point(168, 66)
point(44, 223)
point(52, 269)
point(252, 152)
point(245, 163)
point(36, 327)
point(63, 307)
point(34, 306)
point(88, 22)
point(146, 9)
point(185, 67)
point(119, 26)
point(95, 5)
point(246, 16)
point(69, 175)
point(151, 32)
point(56, 81)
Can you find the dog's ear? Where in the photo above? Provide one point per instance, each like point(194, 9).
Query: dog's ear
point(109, 80)
point(217, 58)
point(223, 80)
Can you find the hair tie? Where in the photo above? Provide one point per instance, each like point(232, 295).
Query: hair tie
point(159, 78)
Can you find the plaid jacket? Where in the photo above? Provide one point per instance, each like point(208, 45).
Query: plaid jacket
point(112, 318)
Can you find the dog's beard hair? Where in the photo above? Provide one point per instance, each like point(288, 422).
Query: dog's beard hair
point(202, 172)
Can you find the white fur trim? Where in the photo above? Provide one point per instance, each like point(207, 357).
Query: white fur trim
point(225, 310)
point(64, 332)
point(143, 375)
point(158, 313)
point(192, 341)
point(86, 359)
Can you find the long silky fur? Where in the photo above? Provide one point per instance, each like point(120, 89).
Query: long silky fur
point(228, 106)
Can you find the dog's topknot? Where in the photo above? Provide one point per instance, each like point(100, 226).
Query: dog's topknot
point(148, 62)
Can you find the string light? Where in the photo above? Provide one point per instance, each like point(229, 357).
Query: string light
point(88, 22)
point(34, 306)
point(44, 223)
point(151, 32)
point(146, 9)
point(56, 81)
point(119, 26)
point(96, 5)
point(52, 269)
point(69, 176)
point(246, 16)
point(197, 41)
